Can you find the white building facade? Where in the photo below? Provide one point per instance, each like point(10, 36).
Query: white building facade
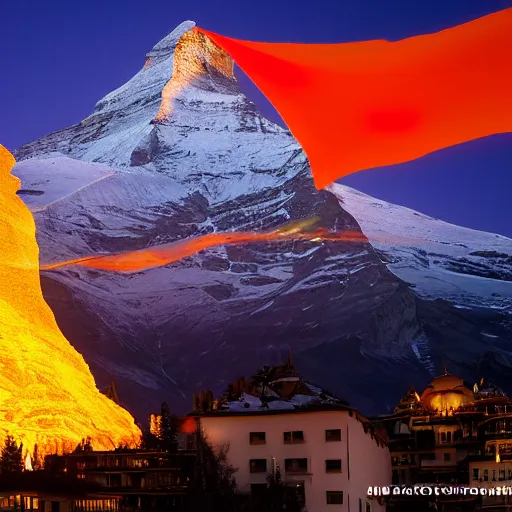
point(331, 454)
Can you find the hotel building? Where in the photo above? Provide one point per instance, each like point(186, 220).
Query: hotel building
point(321, 446)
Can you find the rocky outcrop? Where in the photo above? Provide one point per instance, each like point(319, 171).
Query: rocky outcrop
point(48, 396)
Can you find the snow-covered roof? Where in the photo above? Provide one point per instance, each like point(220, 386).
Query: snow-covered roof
point(273, 389)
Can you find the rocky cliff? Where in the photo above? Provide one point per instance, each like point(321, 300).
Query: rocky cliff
point(48, 396)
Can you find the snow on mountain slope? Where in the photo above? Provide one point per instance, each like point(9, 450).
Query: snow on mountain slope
point(47, 181)
point(464, 266)
point(179, 152)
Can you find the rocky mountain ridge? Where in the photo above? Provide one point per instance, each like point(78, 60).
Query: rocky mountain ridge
point(178, 151)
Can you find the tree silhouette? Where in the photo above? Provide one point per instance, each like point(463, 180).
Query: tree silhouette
point(37, 463)
point(277, 496)
point(84, 446)
point(167, 434)
point(11, 458)
point(214, 487)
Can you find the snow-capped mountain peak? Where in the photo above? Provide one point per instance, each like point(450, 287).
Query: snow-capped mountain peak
point(178, 152)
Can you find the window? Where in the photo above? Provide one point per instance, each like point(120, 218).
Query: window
point(502, 474)
point(476, 474)
point(443, 437)
point(334, 497)
point(333, 466)
point(296, 436)
point(257, 438)
point(493, 475)
point(296, 465)
point(258, 465)
point(333, 435)
point(368, 507)
point(486, 475)
point(447, 457)
point(510, 474)
point(449, 437)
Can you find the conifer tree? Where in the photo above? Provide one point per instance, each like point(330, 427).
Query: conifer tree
point(214, 487)
point(11, 457)
point(149, 442)
point(167, 434)
point(36, 461)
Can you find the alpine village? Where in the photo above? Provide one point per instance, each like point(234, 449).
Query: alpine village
point(277, 442)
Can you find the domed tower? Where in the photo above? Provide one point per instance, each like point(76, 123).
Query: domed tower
point(446, 394)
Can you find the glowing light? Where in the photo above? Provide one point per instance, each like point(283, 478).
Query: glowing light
point(357, 106)
point(28, 463)
point(158, 256)
point(498, 459)
point(47, 393)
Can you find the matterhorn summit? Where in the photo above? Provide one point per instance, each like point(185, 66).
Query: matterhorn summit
point(179, 152)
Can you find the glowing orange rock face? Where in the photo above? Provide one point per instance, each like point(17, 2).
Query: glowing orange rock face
point(358, 106)
point(47, 393)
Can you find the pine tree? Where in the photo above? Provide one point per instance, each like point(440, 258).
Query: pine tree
point(11, 458)
point(149, 442)
point(167, 434)
point(84, 446)
point(36, 461)
point(214, 487)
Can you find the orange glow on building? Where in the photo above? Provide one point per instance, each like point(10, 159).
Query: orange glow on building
point(48, 396)
point(357, 106)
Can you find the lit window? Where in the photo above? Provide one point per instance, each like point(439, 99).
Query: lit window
point(333, 435)
point(258, 465)
point(296, 436)
point(334, 497)
point(257, 438)
point(333, 466)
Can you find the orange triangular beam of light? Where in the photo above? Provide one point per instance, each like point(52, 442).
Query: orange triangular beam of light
point(357, 106)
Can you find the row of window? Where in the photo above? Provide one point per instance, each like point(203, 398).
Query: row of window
point(294, 465)
point(484, 475)
point(407, 459)
point(294, 436)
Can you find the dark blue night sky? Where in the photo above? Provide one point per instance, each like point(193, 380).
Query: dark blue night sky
point(60, 56)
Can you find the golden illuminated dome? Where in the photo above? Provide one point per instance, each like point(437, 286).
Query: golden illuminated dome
point(446, 393)
point(47, 393)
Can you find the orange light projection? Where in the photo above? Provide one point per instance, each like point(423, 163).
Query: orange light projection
point(47, 393)
point(357, 106)
point(161, 255)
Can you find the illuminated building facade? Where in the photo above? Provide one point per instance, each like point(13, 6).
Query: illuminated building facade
point(59, 502)
point(324, 449)
point(141, 478)
point(451, 435)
